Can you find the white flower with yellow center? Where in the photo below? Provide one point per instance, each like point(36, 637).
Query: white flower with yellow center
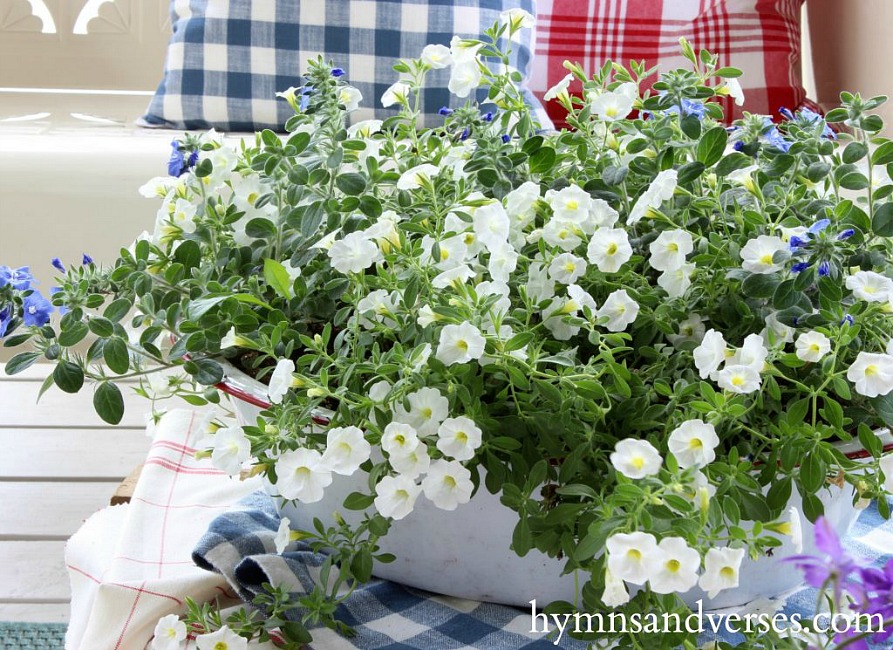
point(738, 379)
point(661, 189)
point(281, 380)
point(677, 567)
point(668, 251)
point(412, 463)
point(871, 374)
point(776, 333)
point(453, 277)
point(563, 234)
point(458, 438)
point(539, 286)
point(283, 535)
point(869, 286)
point(353, 253)
point(812, 346)
point(559, 89)
point(611, 106)
point(732, 87)
point(517, 18)
point(691, 330)
point(427, 409)
point(710, 354)
point(183, 215)
point(620, 310)
point(291, 96)
point(677, 281)
point(436, 57)
point(465, 77)
point(396, 496)
point(793, 528)
point(417, 176)
point(346, 449)
point(758, 254)
point(170, 631)
point(398, 93)
point(744, 178)
point(636, 458)
point(303, 475)
point(721, 567)
point(426, 316)
point(693, 443)
point(753, 353)
point(520, 204)
point(632, 556)
point(571, 204)
point(464, 50)
point(377, 307)
point(460, 344)
point(350, 98)
point(603, 215)
point(566, 268)
point(364, 129)
point(609, 249)
point(399, 438)
point(222, 639)
point(447, 484)
point(491, 224)
point(230, 449)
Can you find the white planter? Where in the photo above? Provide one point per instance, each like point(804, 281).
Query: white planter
point(465, 553)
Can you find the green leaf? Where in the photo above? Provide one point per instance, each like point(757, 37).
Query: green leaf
point(118, 309)
point(294, 631)
point(690, 172)
point(733, 162)
point(299, 141)
point(205, 371)
point(691, 126)
point(854, 152)
point(277, 277)
point(361, 565)
point(870, 442)
point(358, 501)
point(760, 285)
point(522, 540)
point(21, 361)
point(351, 183)
point(68, 376)
point(727, 73)
point(542, 161)
point(101, 327)
point(260, 228)
point(108, 402)
point(370, 206)
point(116, 355)
point(883, 154)
point(883, 406)
point(188, 254)
point(614, 175)
point(812, 473)
point(311, 219)
point(73, 334)
point(854, 181)
point(518, 341)
point(882, 222)
point(712, 146)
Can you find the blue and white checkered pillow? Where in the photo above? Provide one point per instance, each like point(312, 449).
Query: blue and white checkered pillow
point(228, 58)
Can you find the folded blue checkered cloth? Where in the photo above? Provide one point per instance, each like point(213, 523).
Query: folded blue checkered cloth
point(387, 616)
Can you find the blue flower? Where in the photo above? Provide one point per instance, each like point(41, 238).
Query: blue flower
point(176, 164)
point(800, 266)
point(87, 260)
point(193, 158)
point(847, 320)
point(57, 263)
point(824, 269)
point(305, 100)
point(796, 242)
point(786, 113)
point(819, 226)
point(776, 139)
point(37, 310)
point(62, 310)
point(337, 72)
point(445, 110)
point(506, 137)
point(487, 117)
point(465, 134)
point(19, 279)
point(738, 146)
point(846, 234)
point(5, 319)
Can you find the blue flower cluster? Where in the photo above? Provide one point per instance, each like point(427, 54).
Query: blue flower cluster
point(805, 244)
point(178, 164)
point(36, 309)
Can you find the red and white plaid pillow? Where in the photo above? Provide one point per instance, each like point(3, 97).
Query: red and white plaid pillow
point(761, 37)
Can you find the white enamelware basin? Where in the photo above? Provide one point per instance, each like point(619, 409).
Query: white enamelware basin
point(466, 553)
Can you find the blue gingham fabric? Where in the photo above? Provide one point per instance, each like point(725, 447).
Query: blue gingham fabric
point(387, 616)
point(228, 58)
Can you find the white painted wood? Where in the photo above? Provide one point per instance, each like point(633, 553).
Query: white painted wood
point(36, 613)
point(33, 572)
point(103, 454)
point(48, 510)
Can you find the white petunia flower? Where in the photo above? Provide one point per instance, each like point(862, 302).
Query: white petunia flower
point(520, 204)
point(291, 96)
point(812, 346)
point(230, 449)
point(558, 89)
point(603, 215)
point(491, 224)
point(448, 484)
point(183, 215)
point(158, 187)
point(710, 354)
point(563, 234)
point(281, 380)
point(426, 316)
point(517, 18)
point(661, 189)
point(346, 450)
point(733, 87)
point(571, 204)
point(612, 106)
point(353, 253)
point(412, 463)
point(350, 97)
point(668, 251)
point(758, 254)
point(636, 458)
point(677, 281)
point(427, 409)
point(870, 286)
point(379, 391)
point(458, 438)
point(753, 353)
point(566, 268)
point(676, 567)
point(382, 307)
point(283, 535)
point(414, 177)
point(776, 332)
point(465, 77)
point(456, 276)
point(460, 344)
point(693, 443)
point(170, 631)
point(364, 129)
point(615, 593)
point(436, 57)
point(794, 528)
point(396, 496)
point(502, 262)
point(463, 50)
point(620, 309)
point(886, 464)
point(738, 379)
point(691, 330)
point(632, 556)
point(398, 93)
point(539, 286)
point(222, 639)
point(721, 566)
point(399, 438)
point(303, 475)
point(609, 249)
point(871, 374)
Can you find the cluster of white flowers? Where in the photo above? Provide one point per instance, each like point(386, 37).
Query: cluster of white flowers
point(171, 634)
point(741, 368)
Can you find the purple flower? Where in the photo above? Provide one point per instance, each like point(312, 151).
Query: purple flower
point(445, 111)
point(337, 72)
point(846, 234)
point(19, 279)
point(800, 266)
point(5, 319)
point(37, 310)
point(57, 263)
point(87, 260)
point(506, 137)
point(830, 570)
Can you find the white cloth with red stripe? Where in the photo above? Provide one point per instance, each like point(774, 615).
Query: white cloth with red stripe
point(131, 564)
